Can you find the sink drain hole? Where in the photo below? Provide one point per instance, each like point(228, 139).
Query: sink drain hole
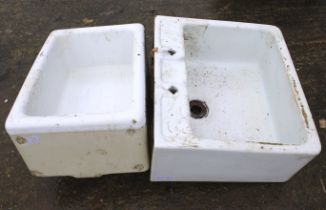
point(198, 109)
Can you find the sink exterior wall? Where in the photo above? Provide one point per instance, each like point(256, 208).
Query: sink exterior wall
point(180, 155)
point(92, 141)
point(84, 154)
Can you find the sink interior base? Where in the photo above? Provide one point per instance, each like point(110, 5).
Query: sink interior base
point(236, 99)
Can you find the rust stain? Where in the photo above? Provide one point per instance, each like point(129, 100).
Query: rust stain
point(305, 117)
point(153, 51)
point(297, 98)
point(266, 143)
point(295, 88)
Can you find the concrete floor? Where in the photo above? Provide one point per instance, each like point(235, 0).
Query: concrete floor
point(24, 26)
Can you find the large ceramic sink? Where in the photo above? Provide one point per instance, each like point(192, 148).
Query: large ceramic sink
point(81, 110)
point(228, 104)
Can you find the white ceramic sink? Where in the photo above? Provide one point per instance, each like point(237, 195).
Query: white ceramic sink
point(81, 110)
point(228, 104)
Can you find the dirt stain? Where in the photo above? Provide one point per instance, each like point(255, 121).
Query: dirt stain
point(269, 143)
point(101, 152)
point(20, 140)
point(131, 132)
point(36, 173)
point(139, 167)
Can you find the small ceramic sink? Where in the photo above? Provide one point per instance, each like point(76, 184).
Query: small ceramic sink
point(228, 104)
point(81, 110)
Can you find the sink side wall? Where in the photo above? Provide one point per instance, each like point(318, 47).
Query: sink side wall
point(85, 154)
point(249, 62)
point(71, 77)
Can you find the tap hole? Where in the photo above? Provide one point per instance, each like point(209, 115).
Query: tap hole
point(198, 109)
point(171, 51)
point(173, 90)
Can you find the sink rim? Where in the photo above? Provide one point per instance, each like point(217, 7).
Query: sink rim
point(20, 122)
point(188, 140)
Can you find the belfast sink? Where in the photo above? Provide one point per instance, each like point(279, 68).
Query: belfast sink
point(81, 110)
point(228, 104)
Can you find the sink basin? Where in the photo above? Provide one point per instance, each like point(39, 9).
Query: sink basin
point(228, 104)
point(81, 110)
